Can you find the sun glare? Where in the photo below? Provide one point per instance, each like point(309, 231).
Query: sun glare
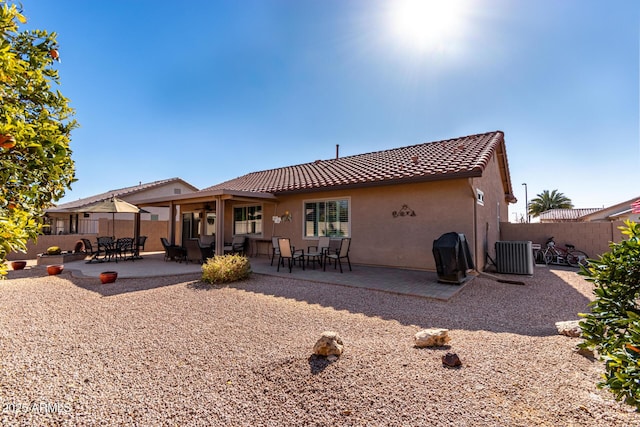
point(434, 25)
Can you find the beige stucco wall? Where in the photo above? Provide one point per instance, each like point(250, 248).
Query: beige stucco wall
point(590, 237)
point(379, 238)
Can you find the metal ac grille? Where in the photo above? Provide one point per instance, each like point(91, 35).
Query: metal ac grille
point(514, 257)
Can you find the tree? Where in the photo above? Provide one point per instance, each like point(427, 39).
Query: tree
point(548, 200)
point(35, 130)
point(612, 328)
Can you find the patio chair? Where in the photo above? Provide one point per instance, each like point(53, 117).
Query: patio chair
point(289, 253)
point(194, 254)
point(343, 252)
point(236, 246)
point(123, 247)
point(172, 252)
point(275, 250)
point(88, 249)
point(317, 252)
point(207, 250)
point(140, 243)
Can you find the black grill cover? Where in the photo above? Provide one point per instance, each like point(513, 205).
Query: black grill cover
point(453, 257)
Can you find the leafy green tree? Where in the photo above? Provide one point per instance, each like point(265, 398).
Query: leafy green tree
point(612, 328)
point(35, 129)
point(548, 200)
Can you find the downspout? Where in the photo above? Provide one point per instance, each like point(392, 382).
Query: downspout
point(475, 223)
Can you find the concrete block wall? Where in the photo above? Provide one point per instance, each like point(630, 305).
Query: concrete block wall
point(590, 237)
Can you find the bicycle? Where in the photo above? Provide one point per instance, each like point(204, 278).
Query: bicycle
point(557, 255)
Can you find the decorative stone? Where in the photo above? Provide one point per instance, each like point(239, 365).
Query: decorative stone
point(570, 328)
point(434, 337)
point(329, 344)
point(451, 360)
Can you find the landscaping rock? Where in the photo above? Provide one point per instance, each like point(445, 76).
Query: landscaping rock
point(451, 360)
point(435, 337)
point(330, 343)
point(570, 328)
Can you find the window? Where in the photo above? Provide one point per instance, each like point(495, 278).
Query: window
point(480, 197)
point(327, 218)
point(247, 220)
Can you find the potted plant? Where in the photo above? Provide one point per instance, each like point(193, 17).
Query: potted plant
point(55, 269)
point(108, 276)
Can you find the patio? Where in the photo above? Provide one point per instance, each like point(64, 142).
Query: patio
point(393, 280)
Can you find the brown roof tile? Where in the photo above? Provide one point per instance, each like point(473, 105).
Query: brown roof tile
point(453, 158)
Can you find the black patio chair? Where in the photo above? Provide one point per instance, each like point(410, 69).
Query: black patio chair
point(173, 252)
point(343, 252)
point(88, 249)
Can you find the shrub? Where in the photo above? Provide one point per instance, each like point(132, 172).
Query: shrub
point(54, 250)
point(613, 326)
point(226, 268)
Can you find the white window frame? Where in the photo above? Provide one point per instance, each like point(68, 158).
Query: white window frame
point(326, 199)
point(480, 197)
point(260, 221)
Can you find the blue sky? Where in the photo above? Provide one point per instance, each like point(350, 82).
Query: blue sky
point(209, 90)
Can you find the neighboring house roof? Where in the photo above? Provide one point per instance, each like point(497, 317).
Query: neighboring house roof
point(612, 212)
point(565, 215)
point(120, 193)
point(462, 157)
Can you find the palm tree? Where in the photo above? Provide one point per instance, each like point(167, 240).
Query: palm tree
point(549, 200)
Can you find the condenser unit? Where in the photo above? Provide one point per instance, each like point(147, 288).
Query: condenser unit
point(514, 257)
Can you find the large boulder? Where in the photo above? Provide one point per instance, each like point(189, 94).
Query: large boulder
point(329, 344)
point(434, 337)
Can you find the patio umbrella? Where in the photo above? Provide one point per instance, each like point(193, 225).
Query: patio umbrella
point(113, 206)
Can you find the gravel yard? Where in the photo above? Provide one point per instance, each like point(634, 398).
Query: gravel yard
point(173, 351)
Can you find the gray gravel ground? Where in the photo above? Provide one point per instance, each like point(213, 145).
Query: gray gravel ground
point(173, 351)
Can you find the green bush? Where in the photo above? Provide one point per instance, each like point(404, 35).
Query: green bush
point(226, 268)
point(54, 250)
point(612, 328)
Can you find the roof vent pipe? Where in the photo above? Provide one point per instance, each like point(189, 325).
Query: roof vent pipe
point(337, 150)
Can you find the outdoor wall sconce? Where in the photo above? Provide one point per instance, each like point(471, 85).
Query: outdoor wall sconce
point(404, 211)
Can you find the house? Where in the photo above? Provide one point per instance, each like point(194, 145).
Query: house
point(565, 215)
point(627, 210)
point(392, 203)
point(69, 218)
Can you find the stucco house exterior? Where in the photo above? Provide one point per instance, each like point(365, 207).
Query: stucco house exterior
point(69, 218)
point(393, 204)
point(627, 210)
point(565, 215)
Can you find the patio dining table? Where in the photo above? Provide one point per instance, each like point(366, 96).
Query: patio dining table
point(117, 249)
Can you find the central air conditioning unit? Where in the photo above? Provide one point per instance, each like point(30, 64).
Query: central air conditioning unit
point(514, 257)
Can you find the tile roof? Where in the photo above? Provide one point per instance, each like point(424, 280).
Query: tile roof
point(452, 158)
point(559, 215)
point(120, 192)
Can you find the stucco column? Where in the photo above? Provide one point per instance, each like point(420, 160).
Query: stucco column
point(219, 226)
point(172, 223)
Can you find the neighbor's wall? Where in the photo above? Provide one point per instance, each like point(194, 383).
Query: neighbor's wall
point(590, 237)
